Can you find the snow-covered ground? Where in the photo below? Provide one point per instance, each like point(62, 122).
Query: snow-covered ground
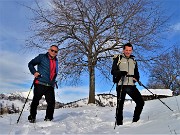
point(156, 118)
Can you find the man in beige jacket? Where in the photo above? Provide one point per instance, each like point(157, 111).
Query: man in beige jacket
point(125, 67)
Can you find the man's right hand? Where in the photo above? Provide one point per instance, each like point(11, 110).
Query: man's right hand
point(36, 74)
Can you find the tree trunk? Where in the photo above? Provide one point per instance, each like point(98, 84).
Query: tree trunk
point(92, 84)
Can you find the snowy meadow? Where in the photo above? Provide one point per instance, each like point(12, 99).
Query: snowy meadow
point(156, 118)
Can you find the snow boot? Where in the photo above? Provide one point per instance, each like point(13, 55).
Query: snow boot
point(47, 119)
point(135, 119)
point(31, 119)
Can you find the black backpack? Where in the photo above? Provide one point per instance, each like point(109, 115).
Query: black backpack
point(116, 78)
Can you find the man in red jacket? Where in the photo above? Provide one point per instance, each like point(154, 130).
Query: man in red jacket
point(45, 75)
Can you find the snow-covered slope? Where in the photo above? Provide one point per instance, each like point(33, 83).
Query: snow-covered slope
point(156, 118)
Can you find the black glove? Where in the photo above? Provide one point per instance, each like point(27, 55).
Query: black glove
point(123, 73)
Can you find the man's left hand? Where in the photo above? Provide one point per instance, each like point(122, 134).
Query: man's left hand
point(135, 79)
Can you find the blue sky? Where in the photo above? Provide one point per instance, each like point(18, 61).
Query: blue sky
point(14, 73)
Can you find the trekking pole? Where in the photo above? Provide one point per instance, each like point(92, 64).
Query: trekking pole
point(154, 94)
point(25, 101)
point(111, 88)
point(118, 102)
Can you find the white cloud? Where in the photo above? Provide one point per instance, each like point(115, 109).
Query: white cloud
point(13, 70)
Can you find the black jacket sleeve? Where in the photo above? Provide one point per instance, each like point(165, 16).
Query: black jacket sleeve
point(136, 72)
point(33, 63)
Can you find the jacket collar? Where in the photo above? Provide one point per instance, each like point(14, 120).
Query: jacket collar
point(131, 56)
point(47, 55)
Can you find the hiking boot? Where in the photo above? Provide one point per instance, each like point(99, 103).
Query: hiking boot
point(47, 119)
point(31, 119)
point(135, 119)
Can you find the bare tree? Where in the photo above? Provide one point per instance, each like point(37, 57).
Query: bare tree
point(165, 72)
point(89, 32)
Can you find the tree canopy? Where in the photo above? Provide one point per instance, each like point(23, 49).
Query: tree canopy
point(90, 32)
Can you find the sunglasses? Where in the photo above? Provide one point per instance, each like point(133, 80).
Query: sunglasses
point(54, 51)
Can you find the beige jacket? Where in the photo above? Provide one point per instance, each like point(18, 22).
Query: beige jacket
point(129, 65)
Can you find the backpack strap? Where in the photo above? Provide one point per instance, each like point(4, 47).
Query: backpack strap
point(119, 60)
point(119, 56)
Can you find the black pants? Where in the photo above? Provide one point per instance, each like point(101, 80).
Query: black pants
point(48, 92)
point(133, 92)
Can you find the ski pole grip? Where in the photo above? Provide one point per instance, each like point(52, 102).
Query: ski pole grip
point(40, 75)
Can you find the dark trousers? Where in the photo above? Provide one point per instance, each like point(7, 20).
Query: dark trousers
point(133, 92)
point(48, 92)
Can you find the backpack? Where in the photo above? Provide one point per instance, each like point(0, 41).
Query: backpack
point(116, 78)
